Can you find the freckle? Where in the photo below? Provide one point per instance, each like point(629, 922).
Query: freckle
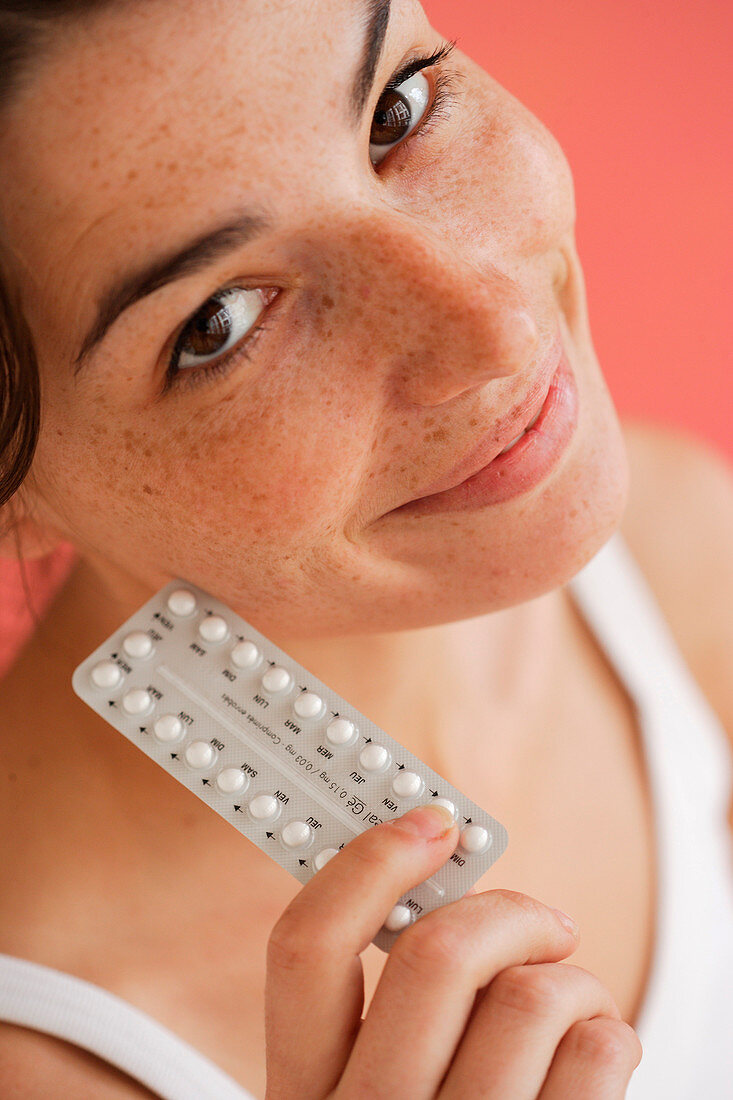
point(132, 174)
point(473, 422)
point(59, 432)
point(147, 489)
point(429, 421)
point(147, 452)
point(327, 301)
point(95, 162)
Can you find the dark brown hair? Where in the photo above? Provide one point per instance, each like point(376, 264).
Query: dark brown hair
point(26, 27)
point(20, 404)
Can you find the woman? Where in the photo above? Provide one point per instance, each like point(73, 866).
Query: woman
point(286, 298)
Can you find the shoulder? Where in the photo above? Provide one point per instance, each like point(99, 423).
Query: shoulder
point(678, 525)
point(34, 1066)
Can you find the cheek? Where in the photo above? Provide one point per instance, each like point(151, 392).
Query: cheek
point(515, 169)
point(231, 471)
point(544, 182)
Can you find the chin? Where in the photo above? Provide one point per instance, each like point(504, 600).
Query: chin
point(582, 507)
point(558, 529)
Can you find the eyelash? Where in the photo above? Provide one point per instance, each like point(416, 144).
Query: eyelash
point(443, 97)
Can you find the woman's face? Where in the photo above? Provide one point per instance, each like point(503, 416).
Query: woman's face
point(410, 293)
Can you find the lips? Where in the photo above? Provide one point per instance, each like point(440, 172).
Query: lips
point(510, 427)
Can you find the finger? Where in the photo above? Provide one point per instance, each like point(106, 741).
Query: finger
point(427, 989)
point(314, 991)
point(516, 1026)
point(594, 1061)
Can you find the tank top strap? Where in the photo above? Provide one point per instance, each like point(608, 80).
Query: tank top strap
point(47, 1000)
point(618, 603)
point(684, 1031)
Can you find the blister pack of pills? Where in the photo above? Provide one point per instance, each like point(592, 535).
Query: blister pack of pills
point(273, 750)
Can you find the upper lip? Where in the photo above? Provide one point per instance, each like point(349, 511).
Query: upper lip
point(508, 428)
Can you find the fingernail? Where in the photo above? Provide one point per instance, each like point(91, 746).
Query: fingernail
point(427, 821)
point(566, 921)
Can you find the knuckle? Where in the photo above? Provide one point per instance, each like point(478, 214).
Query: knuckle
point(293, 942)
point(533, 990)
point(285, 952)
point(370, 856)
point(518, 904)
point(604, 1041)
point(606, 1004)
point(631, 1041)
point(431, 943)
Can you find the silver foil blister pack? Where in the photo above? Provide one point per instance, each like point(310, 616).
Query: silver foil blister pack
point(268, 746)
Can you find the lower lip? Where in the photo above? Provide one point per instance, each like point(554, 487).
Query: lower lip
point(523, 467)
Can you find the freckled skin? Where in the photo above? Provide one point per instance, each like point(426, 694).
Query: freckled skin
point(419, 300)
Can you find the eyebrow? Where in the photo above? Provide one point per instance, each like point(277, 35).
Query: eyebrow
point(213, 244)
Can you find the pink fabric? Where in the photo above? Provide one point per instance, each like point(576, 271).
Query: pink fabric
point(44, 576)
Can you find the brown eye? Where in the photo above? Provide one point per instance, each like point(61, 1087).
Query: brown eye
point(220, 323)
point(392, 119)
point(398, 112)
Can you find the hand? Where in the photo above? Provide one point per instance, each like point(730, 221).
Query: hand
point(472, 1001)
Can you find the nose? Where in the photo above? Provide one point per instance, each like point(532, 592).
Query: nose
point(442, 324)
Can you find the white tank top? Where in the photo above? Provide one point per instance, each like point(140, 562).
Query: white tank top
point(686, 1020)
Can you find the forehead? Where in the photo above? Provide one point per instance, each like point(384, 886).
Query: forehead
point(154, 111)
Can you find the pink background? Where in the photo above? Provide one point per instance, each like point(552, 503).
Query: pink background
point(639, 97)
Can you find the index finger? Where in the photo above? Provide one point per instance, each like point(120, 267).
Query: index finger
point(314, 992)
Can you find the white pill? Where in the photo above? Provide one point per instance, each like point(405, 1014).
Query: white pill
point(213, 628)
point(245, 654)
point(322, 857)
point(264, 806)
point(136, 701)
point(106, 674)
point(168, 728)
point(296, 834)
point(230, 780)
point(308, 705)
point(373, 758)
point(339, 731)
point(407, 784)
point(182, 602)
point(138, 644)
point(474, 839)
point(399, 917)
point(448, 805)
point(276, 679)
point(200, 754)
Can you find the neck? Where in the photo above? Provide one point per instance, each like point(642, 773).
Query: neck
point(422, 686)
point(470, 698)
